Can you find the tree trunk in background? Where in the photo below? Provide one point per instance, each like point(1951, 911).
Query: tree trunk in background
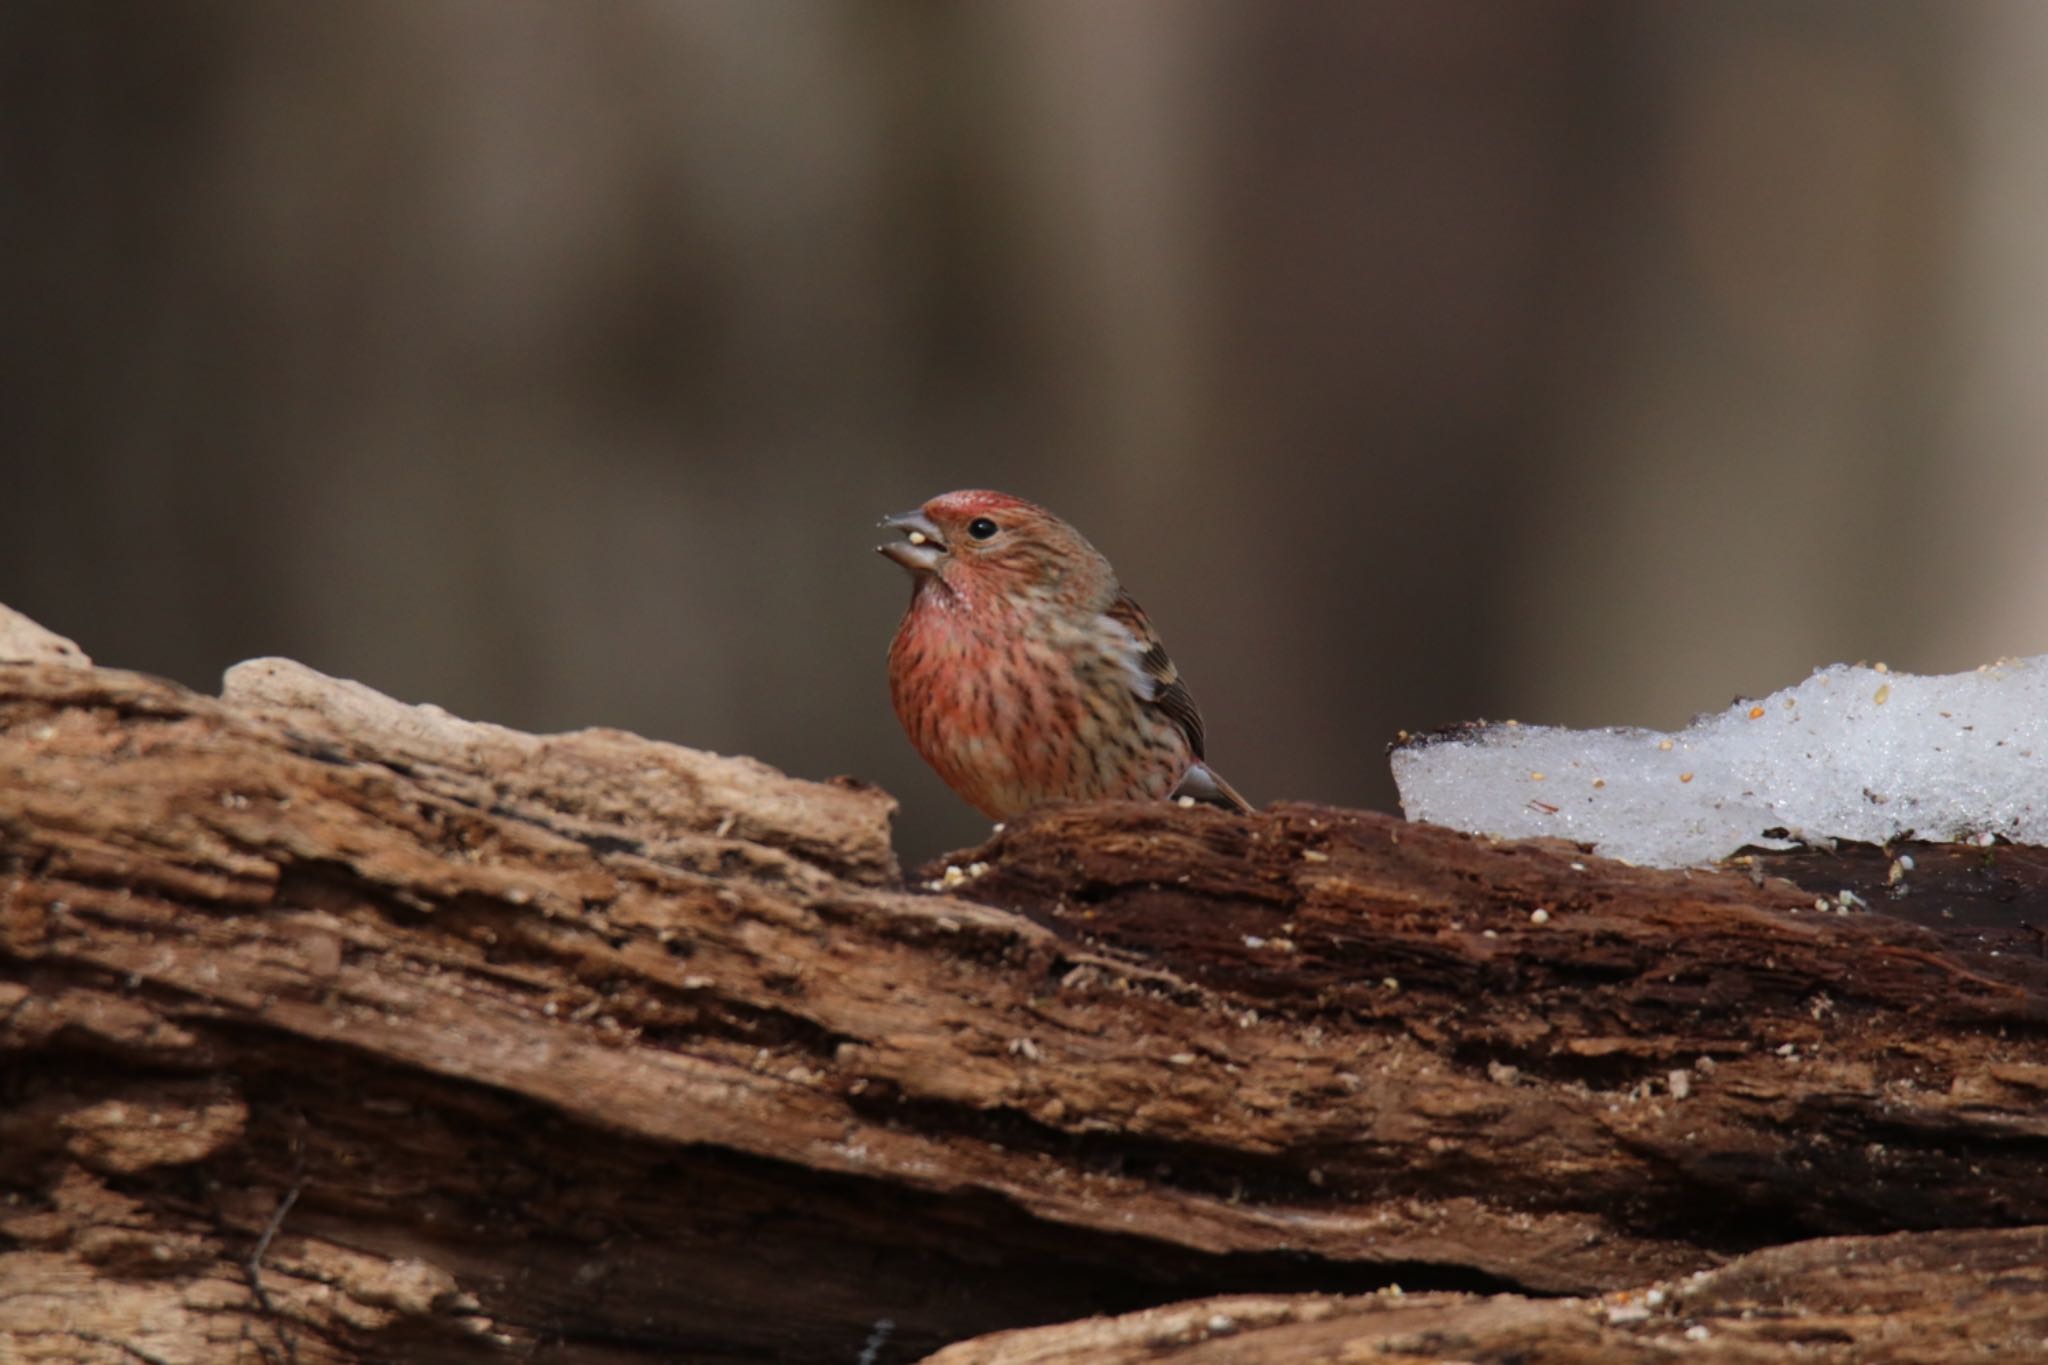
point(1989, 551)
point(503, 351)
point(340, 1030)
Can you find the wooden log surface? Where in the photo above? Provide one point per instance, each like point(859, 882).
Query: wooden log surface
point(1901, 1300)
point(335, 1029)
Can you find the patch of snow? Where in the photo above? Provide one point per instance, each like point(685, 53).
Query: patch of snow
point(1853, 752)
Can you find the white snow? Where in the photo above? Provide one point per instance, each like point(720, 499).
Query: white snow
point(1853, 752)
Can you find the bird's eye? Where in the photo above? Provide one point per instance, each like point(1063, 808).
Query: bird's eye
point(981, 528)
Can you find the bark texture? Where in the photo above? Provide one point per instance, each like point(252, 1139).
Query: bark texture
point(335, 1029)
point(1906, 1298)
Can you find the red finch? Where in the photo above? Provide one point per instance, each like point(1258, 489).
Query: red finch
point(1024, 674)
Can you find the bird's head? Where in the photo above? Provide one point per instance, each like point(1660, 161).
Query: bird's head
point(978, 543)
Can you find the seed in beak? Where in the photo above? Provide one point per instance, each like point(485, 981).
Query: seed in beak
point(918, 537)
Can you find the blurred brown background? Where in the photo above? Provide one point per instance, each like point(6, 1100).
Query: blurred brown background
point(1586, 362)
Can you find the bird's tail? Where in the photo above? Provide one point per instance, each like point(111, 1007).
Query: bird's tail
point(1203, 783)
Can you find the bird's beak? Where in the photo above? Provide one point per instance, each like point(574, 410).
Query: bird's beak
point(921, 547)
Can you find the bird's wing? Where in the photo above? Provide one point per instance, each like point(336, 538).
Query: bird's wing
point(1155, 679)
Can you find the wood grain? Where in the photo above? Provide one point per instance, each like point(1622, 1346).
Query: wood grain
point(586, 1047)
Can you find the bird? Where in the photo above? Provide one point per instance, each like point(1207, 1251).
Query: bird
point(1025, 674)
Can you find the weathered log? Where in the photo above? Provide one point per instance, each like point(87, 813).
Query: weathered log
point(339, 1030)
point(1904, 1299)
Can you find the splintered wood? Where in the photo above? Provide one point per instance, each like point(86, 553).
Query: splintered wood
point(341, 1030)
